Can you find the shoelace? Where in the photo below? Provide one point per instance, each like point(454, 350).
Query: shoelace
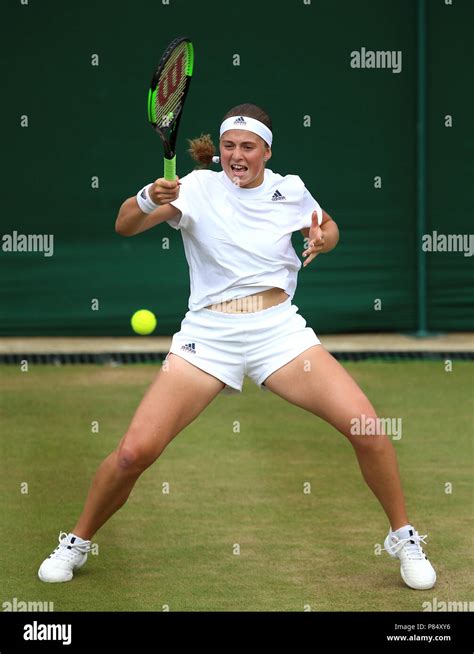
point(412, 549)
point(62, 551)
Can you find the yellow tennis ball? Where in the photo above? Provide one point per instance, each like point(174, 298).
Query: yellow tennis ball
point(143, 322)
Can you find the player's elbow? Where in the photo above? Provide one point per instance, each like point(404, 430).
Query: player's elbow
point(123, 223)
point(121, 229)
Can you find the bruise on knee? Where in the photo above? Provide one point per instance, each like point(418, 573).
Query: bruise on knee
point(136, 458)
point(127, 459)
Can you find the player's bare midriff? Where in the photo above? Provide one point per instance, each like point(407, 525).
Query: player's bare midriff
point(251, 303)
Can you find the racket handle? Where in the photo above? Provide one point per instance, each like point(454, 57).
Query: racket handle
point(170, 169)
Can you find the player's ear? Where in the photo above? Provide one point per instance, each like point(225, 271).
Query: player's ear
point(268, 154)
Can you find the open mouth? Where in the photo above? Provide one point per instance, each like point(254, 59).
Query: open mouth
point(238, 169)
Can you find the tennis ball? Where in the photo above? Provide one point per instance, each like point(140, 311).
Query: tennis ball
point(143, 322)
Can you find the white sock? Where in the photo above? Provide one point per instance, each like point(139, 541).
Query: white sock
point(404, 532)
point(78, 540)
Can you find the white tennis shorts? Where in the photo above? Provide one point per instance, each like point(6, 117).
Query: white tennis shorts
point(231, 345)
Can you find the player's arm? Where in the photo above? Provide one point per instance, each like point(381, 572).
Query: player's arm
point(131, 220)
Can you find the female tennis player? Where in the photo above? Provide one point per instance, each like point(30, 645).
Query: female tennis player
point(236, 227)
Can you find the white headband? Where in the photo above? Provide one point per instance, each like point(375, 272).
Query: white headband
point(250, 124)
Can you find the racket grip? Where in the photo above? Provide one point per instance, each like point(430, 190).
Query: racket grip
point(170, 169)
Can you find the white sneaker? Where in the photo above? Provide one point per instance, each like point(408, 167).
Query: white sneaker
point(67, 557)
point(415, 568)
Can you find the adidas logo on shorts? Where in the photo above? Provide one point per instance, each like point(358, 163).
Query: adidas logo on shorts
point(278, 196)
point(189, 347)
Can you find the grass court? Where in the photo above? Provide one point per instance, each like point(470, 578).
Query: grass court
point(316, 550)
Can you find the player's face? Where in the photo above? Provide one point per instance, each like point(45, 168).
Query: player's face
point(242, 157)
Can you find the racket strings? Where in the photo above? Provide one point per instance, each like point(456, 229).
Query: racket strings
point(171, 85)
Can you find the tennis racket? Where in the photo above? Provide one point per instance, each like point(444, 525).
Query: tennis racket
point(168, 89)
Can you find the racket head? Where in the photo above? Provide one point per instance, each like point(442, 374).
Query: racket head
point(168, 89)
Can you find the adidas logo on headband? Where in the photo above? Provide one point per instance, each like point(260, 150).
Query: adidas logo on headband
point(240, 121)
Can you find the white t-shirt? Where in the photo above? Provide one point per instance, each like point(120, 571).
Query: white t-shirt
point(237, 241)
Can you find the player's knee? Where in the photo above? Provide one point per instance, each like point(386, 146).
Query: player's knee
point(366, 432)
point(131, 459)
point(369, 443)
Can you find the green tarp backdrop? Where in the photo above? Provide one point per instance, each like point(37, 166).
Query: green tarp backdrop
point(76, 144)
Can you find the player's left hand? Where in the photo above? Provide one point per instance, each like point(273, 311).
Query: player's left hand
point(316, 240)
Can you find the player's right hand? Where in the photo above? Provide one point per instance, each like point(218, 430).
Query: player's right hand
point(162, 191)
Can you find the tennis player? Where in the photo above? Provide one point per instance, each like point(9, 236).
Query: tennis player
point(236, 227)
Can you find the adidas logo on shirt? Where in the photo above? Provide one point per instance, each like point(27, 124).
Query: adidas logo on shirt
point(240, 121)
point(189, 347)
point(278, 196)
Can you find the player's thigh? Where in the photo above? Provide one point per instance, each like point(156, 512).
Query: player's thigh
point(177, 396)
point(317, 382)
